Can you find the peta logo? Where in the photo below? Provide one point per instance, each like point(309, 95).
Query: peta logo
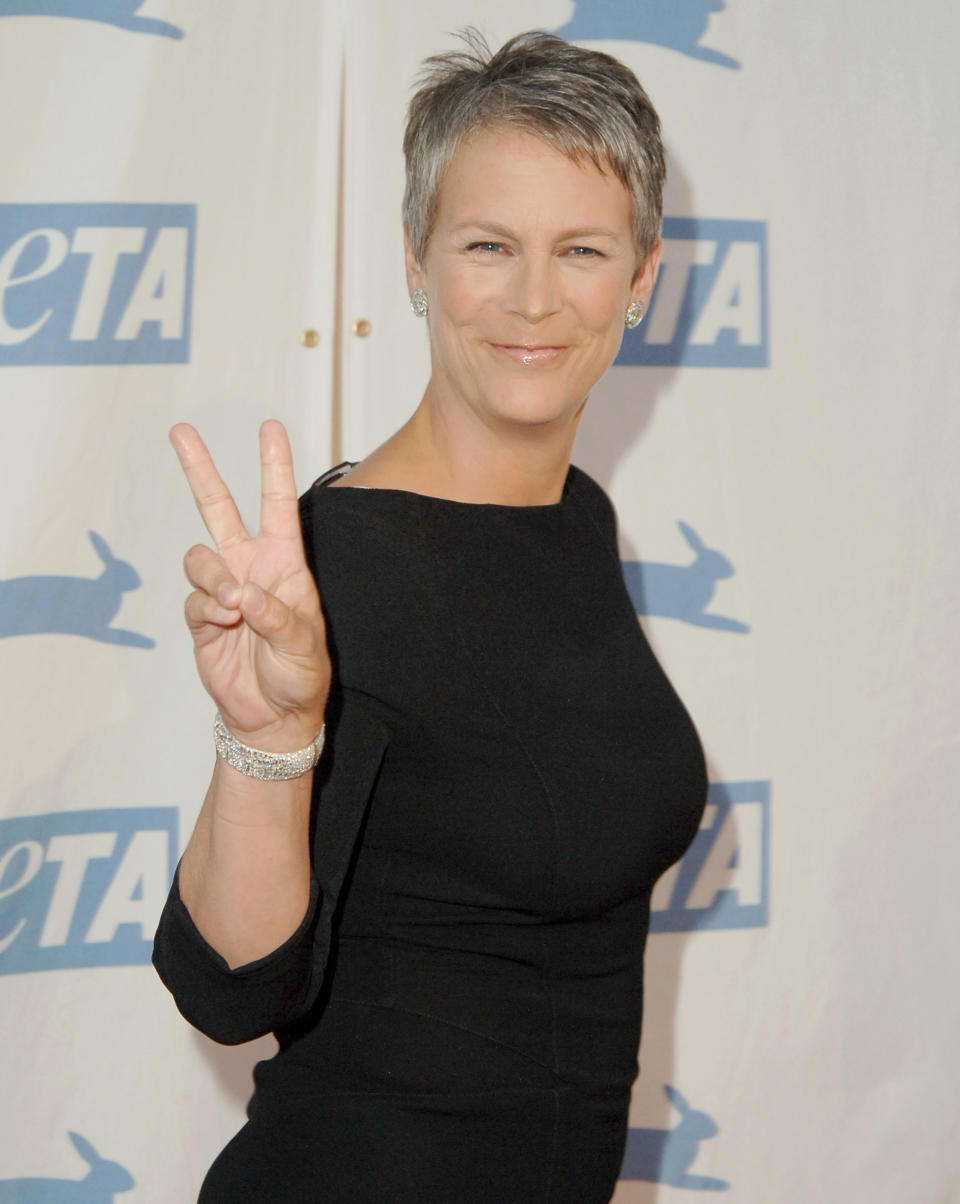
point(96, 284)
point(709, 308)
point(723, 880)
point(666, 1155)
point(121, 13)
point(682, 591)
point(103, 1180)
point(72, 605)
point(678, 25)
point(83, 888)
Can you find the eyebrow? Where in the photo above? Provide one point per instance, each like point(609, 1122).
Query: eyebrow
point(505, 232)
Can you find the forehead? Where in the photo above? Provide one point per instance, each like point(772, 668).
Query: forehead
point(508, 175)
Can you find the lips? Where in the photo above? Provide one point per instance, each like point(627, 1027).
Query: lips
point(529, 356)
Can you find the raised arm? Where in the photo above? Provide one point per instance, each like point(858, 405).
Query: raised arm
point(260, 648)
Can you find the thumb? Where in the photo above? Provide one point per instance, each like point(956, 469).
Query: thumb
point(271, 619)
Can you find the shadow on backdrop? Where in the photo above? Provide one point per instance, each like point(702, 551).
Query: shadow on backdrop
point(666, 1155)
point(613, 427)
point(232, 1067)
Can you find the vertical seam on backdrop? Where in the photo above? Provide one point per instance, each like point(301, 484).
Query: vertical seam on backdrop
point(336, 364)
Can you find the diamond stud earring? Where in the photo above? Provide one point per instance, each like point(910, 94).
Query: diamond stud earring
point(419, 303)
point(634, 315)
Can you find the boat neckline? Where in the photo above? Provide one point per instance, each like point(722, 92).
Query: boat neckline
point(341, 470)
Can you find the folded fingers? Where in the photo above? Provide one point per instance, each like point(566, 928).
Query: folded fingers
point(208, 572)
point(201, 610)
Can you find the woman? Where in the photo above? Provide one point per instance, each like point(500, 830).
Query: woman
point(444, 920)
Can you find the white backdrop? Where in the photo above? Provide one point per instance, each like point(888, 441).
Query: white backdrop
point(169, 229)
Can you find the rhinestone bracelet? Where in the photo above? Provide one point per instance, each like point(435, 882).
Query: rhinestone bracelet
point(265, 766)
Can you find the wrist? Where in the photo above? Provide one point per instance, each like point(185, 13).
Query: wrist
point(285, 734)
point(241, 802)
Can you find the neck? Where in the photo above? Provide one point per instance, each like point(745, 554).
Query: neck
point(456, 455)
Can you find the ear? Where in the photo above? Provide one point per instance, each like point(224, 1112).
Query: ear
point(100, 546)
point(692, 538)
point(415, 277)
point(646, 277)
point(84, 1148)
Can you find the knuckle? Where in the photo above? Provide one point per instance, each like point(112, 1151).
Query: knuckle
point(280, 616)
point(213, 495)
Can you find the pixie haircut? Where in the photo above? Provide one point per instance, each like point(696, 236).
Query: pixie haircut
point(584, 103)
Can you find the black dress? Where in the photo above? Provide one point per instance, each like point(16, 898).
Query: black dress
point(507, 773)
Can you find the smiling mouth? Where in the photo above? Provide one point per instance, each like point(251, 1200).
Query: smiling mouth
point(530, 356)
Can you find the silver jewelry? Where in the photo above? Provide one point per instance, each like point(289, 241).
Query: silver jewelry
point(265, 766)
point(419, 302)
point(635, 312)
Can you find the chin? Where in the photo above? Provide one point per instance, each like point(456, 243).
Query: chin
point(535, 410)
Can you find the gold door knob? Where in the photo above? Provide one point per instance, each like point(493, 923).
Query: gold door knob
point(361, 328)
point(309, 337)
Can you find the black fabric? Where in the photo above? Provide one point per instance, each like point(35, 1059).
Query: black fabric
point(233, 1006)
point(507, 773)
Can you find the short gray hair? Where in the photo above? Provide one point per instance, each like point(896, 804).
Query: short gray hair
point(584, 103)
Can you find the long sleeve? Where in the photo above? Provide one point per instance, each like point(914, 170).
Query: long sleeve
point(232, 1006)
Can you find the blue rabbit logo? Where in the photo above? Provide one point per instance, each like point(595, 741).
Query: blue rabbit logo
point(682, 591)
point(677, 24)
point(99, 1186)
point(665, 1155)
point(121, 13)
point(72, 605)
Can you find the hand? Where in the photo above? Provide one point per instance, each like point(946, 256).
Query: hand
point(258, 632)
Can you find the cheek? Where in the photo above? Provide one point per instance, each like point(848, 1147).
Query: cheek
point(602, 306)
point(458, 299)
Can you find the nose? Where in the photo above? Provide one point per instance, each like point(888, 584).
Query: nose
point(535, 291)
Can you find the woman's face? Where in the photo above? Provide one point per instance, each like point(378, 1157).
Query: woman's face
point(529, 270)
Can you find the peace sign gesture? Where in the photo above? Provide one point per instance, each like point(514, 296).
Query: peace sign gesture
point(254, 614)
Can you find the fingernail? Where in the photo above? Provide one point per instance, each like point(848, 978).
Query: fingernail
point(257, 601)
point(228, 595)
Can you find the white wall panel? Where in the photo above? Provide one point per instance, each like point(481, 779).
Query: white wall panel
point(236, 120)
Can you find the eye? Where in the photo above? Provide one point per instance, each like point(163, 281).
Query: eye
point(486, 248)
point(584, 252)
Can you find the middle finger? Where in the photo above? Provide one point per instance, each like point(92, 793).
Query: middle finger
point(279, 510)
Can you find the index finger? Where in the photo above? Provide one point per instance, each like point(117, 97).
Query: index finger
point(214, 500)
point(279, 508)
